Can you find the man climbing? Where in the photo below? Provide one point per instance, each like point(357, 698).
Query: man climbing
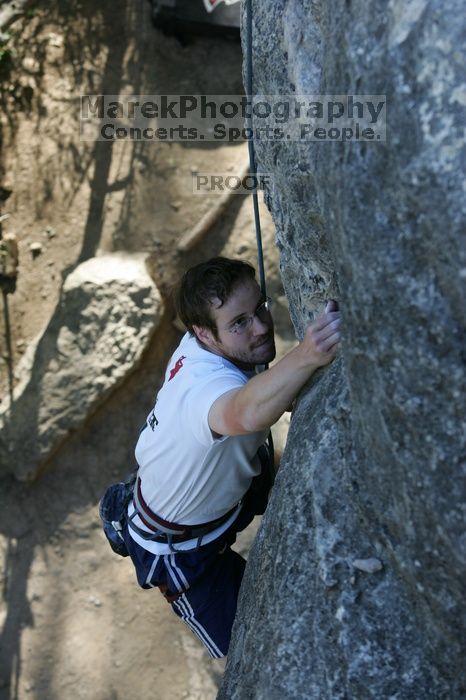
point(202, 457)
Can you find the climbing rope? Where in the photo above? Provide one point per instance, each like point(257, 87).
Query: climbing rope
point(255, 201)
point(252, 155)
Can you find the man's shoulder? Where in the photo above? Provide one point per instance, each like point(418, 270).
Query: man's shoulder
point(195, 360)
point(196, 354)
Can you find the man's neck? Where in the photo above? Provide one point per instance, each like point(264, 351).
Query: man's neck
point(244, 366)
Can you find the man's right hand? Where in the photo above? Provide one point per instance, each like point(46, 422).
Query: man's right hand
point(322, 337)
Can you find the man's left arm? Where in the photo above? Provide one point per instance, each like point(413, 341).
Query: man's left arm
point(261, 402)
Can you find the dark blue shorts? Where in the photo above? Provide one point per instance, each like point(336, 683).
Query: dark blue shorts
point(202, 585)
point(208, 580)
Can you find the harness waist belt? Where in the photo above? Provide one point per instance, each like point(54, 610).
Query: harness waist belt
point(172, 531)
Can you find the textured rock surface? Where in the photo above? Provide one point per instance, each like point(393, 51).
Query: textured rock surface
point(108, 311)
point(372, 468)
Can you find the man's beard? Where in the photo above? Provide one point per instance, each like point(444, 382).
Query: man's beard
point(261, 352)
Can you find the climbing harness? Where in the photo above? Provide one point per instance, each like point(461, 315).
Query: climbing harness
point(113, 511)
point(253, 171)
point(167, 532)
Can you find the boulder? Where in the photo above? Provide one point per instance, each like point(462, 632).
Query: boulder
point(355, 584)
point(108, 311)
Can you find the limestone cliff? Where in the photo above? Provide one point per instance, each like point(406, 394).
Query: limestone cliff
point(355, 584)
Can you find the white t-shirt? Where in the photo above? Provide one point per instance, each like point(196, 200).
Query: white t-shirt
point(187, 475)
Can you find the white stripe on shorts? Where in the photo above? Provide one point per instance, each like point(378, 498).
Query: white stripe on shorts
point(179, 572)
point(184, 606)
point(151, 572)
point(187, 615)
point(174, 575)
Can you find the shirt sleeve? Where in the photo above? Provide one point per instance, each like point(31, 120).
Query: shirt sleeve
point(203, 394)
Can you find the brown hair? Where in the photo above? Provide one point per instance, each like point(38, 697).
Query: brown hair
point(214, 279)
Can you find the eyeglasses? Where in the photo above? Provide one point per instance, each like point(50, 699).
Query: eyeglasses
point(245, 322)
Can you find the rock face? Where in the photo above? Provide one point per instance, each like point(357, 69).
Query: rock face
point(108, 311)
point(355, 586)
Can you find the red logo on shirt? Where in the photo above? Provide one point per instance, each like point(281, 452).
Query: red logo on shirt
point(177, 367)
point(212, 4)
